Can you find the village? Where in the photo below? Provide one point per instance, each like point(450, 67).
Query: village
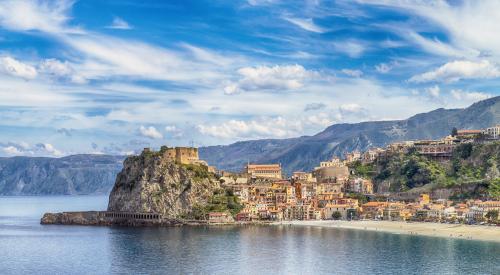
point(333, 191)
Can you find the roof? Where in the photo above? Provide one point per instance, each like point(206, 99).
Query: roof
point(331, 205)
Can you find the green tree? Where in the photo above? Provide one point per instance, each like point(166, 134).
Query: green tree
point(336, 215)
point(454, 132)
point(494, 188)
point(492, 215)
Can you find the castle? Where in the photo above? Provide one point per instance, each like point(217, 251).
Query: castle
point(182, 155)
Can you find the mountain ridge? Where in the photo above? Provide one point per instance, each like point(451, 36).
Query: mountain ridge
point(303, 153)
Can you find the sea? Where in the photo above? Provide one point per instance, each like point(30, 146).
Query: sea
point(26, 247)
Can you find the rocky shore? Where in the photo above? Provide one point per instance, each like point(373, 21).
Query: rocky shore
point(105, 218)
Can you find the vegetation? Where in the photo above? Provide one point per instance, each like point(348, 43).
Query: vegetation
point(475, 164)
point(494, 188)
point(363, 170)
point(200, 171)
point(360, 197)
point(492, 215)
point(222, 200)
point(336, 215)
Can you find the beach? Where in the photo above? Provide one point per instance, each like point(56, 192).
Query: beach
point(460, 231)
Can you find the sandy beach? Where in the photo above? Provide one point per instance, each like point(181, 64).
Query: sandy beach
point(460, 231)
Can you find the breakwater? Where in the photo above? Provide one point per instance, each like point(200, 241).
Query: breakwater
point(109, 218)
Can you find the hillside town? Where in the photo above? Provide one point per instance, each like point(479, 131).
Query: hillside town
point(333, 190)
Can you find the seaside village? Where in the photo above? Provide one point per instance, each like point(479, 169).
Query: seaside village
point(333, 191)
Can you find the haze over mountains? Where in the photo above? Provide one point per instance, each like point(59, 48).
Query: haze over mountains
point(71, 175)
point(304, 153)
point(93, 174)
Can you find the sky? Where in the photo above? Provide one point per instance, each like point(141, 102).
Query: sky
point(113, 77)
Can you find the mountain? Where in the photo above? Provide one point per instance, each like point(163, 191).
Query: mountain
point(72, 175)
point(304, 153)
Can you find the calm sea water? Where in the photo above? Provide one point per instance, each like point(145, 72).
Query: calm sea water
point(26, 247)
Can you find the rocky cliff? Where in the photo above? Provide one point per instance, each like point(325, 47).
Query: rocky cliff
point(150, 183)
point(71, 175)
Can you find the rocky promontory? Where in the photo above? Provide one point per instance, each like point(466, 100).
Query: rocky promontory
point(154, 188)
point(154, 183)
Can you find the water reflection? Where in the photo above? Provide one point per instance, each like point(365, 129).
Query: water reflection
point(26, 247)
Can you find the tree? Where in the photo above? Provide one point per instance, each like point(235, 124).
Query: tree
point(454, 132)
point(492, 215)
point(494, 188)
point(336, 215)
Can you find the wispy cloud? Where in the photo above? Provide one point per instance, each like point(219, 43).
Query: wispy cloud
point(457, 70)
point(119, 24)
point(305, 23)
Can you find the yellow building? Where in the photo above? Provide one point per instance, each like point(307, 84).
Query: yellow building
point(271, 171)
point(424, 199)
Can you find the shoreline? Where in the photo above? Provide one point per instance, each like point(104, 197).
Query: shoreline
point(456, 231)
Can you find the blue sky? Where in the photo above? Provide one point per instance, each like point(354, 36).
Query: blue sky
point(116, 76)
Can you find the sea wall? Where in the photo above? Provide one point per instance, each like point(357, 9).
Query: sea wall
point(108, 218)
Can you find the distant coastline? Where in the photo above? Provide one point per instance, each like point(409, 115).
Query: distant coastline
point(457, 231)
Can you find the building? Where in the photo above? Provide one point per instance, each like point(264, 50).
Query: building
point(468, 133)
point(371, 155)
point(182, 155)
point(270, 171)
point(360, 185)
point(331, 174)
point(352, 157)
point(492, 132)
point(334, 162)
point(303, 176)
point(332, 208)
point(424, 199)
point(220, 217)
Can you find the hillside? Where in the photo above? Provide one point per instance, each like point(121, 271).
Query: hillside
point(72, 175)
point(304, 153)
point(472, 165)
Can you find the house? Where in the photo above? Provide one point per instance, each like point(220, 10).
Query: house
point(332, 208)
point(220, 217)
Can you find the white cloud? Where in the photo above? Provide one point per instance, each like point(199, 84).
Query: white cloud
point(352, 48)
point(11, 66)
point(150, 132)
point(60, 70)
point(107, 57)
point(350, 107)
point(48, 149)
point(383, 68)
point(288, 77)
point(25, 149)
point(352, 73)
point(261, 2)
point(471, 25)
point(306, 24)
point(119, 24)
point(469, 96)
point(266, 127)
point(174, 131)
point(32, 15)
point(433, 91)
point(11, 151)
point(457, 70)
